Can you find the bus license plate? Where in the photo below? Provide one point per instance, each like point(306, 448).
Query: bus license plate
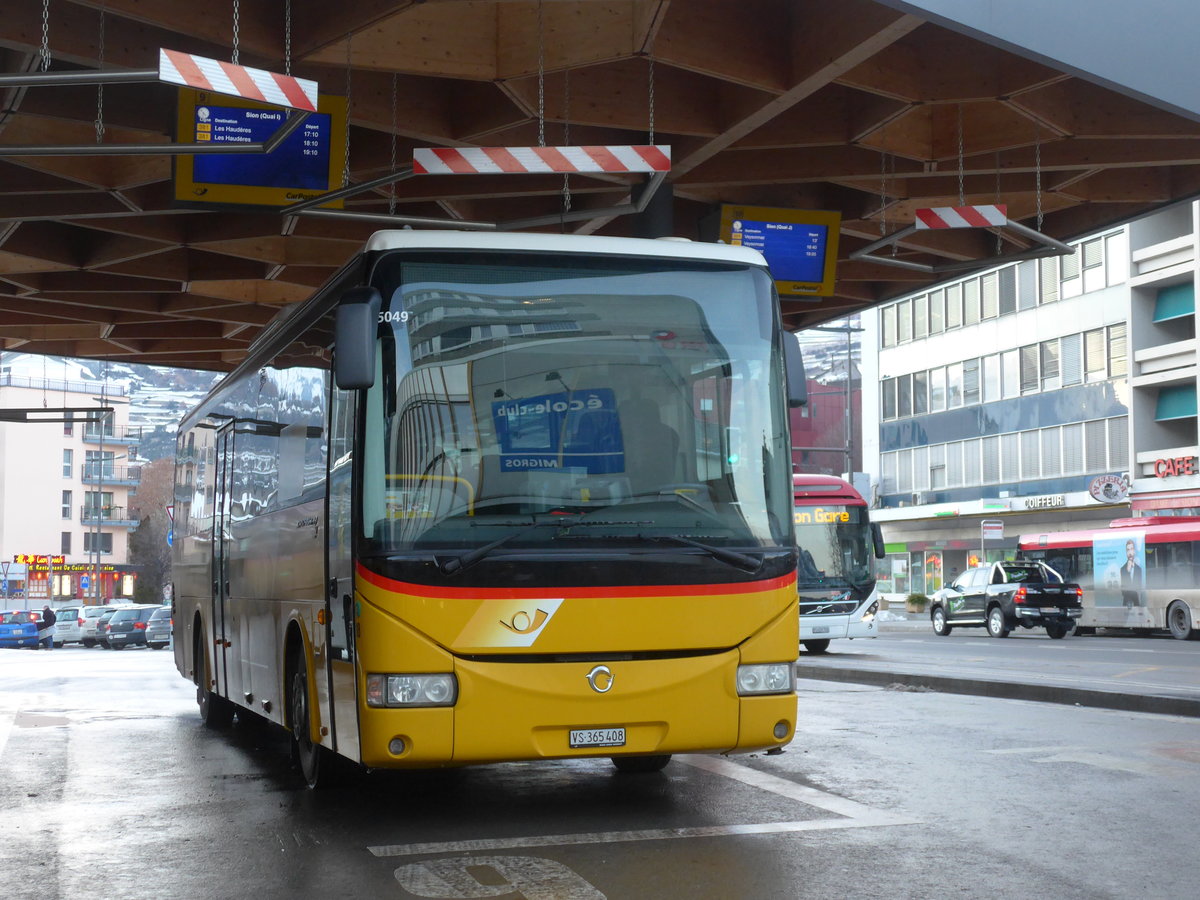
point(597, 737)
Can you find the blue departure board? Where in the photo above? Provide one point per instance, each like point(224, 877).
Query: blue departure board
point(301, 161)
point(794, 252)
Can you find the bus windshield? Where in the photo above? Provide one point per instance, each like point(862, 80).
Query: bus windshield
point(549, 404)
point(835, 546)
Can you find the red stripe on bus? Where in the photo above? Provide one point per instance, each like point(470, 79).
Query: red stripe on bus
point(657, 590)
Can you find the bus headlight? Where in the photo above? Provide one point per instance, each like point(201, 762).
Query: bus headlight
point(412, 690)
point(869, 615)
point(766, 678)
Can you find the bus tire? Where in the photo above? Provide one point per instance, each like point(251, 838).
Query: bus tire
point(316, 764)
point(821, 645)
point(996, 626)
point(215, 711)
point(938, 618)
point(640, 765)
point(1179, 621)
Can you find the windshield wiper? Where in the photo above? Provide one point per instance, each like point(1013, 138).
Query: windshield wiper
point(458, 563)
point(729, 557)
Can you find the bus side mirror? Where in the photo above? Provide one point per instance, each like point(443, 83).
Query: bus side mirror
point(355, 324)
point(877, 540)
point(793, 366)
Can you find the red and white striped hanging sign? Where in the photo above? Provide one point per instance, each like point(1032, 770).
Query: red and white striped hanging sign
point(219, 77)
point(540, 160)
point(962, 216)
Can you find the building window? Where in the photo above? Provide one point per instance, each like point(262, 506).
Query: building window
point(954, 311)
point(971, 301)
point(970, 381)
point(904, 321)
point(1118, 443)
point(971, 469)
point(937, 312)
point(990, 287)
point(1030, 466)
point(66, 504)
point(937, 467)
point(937, 390)
point(1072, 449)
point(920, 393)
point(904, 480)
point(68, 463)
point(1010, 373)
point(954, 385)
point(888, 401)
point(1048, 352)
point(991, 459)
point(1048, 279)
point(1071, 348)
point(904, 396)
point(65, 543)
point(68, 425)
point(1010, 457)
point(991, 378)
point(1117, 362)
point(1094, 367)
point(1116, 258)
point(1093, 264)
point(887, 465)
point(954, 464)
point(920, 468)
point(1029, 369)
point(889, 326)
point(1072, 284)
point(1051, 453)
point(93, 542)
point(1095, 446)
point(920, 317)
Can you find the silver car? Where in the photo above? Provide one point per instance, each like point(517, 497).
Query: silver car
point(158, 628)
point(67, 626)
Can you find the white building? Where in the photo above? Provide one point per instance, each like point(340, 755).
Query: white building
point(1006, 397)
point(65, 487)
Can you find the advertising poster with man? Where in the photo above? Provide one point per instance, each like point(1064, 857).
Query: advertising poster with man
point(1119, 562)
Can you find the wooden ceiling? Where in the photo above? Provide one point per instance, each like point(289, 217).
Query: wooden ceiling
point(848, 105)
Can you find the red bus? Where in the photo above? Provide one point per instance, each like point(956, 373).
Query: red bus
point(835, 575)
point(1141, 574)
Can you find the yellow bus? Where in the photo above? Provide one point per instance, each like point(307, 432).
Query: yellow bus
point(492, 497)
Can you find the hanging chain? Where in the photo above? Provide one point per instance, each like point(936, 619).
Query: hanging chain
point(650, 74)
point(882, 186)
point(45, 54)
point(349, 82)
point(566, 188)
point(237, 12)
point(999, 242)
point(541, 79)
point(100, 87)
point(962, 198)
point(1037, 167)
point(287, 37)
point(392, 186)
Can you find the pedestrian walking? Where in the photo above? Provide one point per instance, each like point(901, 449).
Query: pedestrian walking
point(46, 629)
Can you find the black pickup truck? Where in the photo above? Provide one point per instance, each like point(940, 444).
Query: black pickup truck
point(1007, 594)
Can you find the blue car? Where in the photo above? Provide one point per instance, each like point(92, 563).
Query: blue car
point(18, 628)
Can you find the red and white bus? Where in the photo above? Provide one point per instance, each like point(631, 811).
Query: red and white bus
point(1141, 574)
point(835, 575)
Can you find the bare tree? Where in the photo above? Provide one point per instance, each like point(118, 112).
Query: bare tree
point(148, 544)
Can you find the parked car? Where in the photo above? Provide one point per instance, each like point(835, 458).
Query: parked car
point(158, 628)
point(67, 628)
point(18, 628)
point(127, 627)
point(102, 623)
point(90, 616)
point(1006, 595)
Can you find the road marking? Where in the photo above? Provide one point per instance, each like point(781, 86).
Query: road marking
point(1085, 757)
point(851, 815)
point(6, 723)
point(1139, 671)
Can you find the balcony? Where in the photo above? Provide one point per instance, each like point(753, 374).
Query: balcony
point(114, 434)
point(110, 476)
point(114, 516)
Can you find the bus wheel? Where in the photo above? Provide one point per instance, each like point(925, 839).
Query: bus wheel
point(996, 625)
point(1057, 631)
point(818, 646)
point(1179, 620)
point(316, 764)
point(215, 711)
point(640, 765)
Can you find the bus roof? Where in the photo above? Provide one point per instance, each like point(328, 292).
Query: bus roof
point(1157, 529)
point(823, 489)
point(512, 242)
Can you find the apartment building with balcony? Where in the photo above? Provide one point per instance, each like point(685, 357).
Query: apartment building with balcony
point(65, 489)
point(1002, 402)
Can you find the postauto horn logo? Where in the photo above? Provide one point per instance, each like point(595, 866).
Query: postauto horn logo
point(508, 623)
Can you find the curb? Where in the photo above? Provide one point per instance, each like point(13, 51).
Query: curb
point(1008, 690)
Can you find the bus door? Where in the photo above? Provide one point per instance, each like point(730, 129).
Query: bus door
point(219, 615)
point(339, 703)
